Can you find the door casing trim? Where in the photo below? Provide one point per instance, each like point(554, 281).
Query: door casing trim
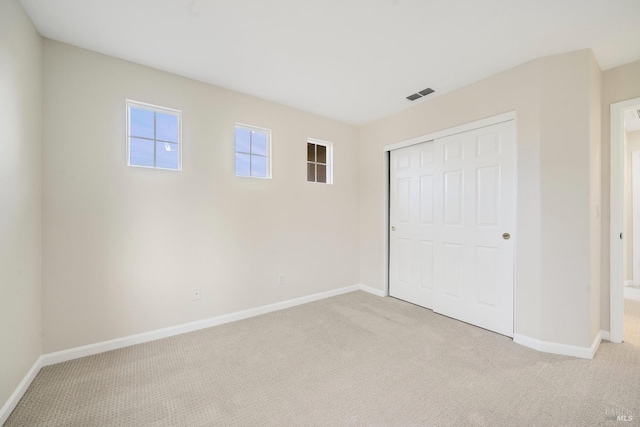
point(616, 218)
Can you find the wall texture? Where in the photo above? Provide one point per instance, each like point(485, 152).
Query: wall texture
point(20, 195)
point(566, 204)
point(618, 84)
point(554, 99)
point(124, 247)
point(595, 194)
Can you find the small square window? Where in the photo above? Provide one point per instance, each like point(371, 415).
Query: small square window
point(153, 136)
point(253, 151)
point(319, 161)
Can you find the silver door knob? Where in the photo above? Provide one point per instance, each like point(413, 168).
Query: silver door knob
point(393, 228)
point(506, 236)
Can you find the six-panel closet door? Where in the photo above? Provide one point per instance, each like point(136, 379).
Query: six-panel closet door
point(452, 225)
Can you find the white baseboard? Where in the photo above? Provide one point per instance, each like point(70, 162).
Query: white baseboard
point(15, 397)
point(101, 347)
point(557, 348)
point(87, 350)
point(606, 335)
point(595, 345)
point(373, 291)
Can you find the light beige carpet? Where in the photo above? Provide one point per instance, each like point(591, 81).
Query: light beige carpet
point(351, 360)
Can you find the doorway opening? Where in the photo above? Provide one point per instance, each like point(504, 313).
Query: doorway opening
point(625, 221)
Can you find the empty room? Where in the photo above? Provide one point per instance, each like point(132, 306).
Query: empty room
point(335, 213)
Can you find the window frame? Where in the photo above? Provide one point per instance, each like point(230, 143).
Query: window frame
point(250, 128)
point(329, 146)
point(156, 109)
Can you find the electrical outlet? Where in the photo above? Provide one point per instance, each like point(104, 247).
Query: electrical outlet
point(281, 280)
point(195, 295)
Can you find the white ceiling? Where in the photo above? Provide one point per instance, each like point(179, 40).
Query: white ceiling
point(352, 60)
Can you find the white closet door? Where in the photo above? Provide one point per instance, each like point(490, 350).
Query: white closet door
point(452, 218)
point(414, 218)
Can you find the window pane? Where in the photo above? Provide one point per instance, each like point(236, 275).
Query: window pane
point(311, 172)
point(167, 155)
point(322, 154)
point(140, 152)
point(140, 122)
point(166, 127)
point(243, 164)
point(258, 143)
point(259, 166)
point(311, 153)
point(322, 172)
point(243, 139)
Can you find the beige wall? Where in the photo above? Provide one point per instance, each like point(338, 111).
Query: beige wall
point(618, 84)
point(554, 100)
point(123, 247)
point(595, 191)
point(20, 195)
point(566, 201)
point(632, 143)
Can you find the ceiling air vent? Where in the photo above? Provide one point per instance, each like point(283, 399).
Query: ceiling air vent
point(420, 94)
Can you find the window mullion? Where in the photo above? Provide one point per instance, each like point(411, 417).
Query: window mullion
point(154, 140)
point(250, 153)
